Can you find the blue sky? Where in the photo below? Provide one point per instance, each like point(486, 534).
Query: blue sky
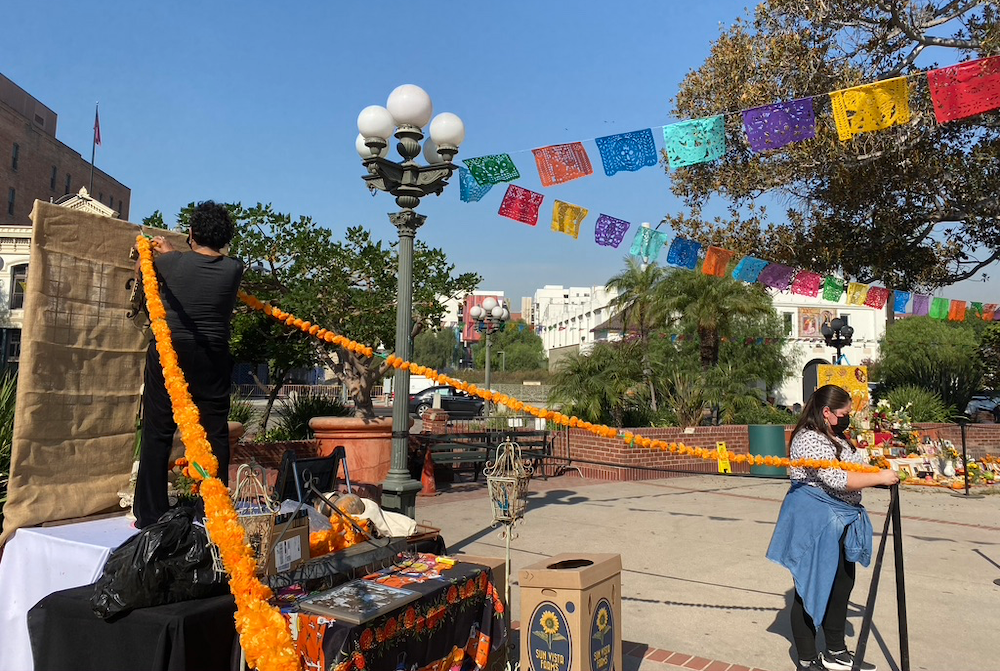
point(257, 101)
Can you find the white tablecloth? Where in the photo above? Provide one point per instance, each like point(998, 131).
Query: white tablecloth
point(42, 560)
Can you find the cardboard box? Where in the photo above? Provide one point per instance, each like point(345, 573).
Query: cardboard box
point(571, 613)
point(289, 551)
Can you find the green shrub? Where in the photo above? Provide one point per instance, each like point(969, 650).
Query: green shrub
point(241, 410)
point(924, 405)
point(8, 396)
point(765, 414)
point(294, 414)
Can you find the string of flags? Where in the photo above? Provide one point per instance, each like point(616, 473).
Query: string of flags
point(957, 92)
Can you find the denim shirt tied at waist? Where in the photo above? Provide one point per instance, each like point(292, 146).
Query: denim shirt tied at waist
point(806, 541)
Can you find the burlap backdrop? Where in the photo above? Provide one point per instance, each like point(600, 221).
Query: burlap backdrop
point(80, 370)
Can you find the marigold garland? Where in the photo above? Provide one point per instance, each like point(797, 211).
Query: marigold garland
point(263, 630)
point(542, 413)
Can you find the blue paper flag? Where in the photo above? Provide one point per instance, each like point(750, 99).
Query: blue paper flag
point(749, 269)
point(695, 141)
point(472, 191)
point(627, 152)
point(900, 299)
point(683, 253)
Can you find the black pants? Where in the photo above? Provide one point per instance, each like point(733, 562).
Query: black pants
point(835, 619)
point(208, 372)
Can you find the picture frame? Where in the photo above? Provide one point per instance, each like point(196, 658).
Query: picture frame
point(358, 601)
point(908, 469)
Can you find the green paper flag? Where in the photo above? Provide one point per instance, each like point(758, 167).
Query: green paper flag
point(833, 288)
point(939, 308)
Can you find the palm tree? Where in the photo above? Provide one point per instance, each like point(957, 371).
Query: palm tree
point(603, 386)
point(636, 304)
point(712, 305)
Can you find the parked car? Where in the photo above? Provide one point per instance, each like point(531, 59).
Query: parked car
point(984, 408)
point(456, 403)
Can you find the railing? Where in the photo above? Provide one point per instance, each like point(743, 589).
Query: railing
point(327, 390)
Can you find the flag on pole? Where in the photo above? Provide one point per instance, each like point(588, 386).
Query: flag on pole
point(97, 126)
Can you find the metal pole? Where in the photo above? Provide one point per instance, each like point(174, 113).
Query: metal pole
point(487, 381)
point(897, 547)
point(399, 489)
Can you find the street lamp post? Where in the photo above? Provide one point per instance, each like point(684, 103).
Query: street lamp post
point(490, 317)
point(837, 333)
point(407, 111)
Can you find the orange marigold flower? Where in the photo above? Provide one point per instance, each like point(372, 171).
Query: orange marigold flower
point(359, 661)
point(410, 618)
point(452, 594)
point(367, 639)
point(390, 628)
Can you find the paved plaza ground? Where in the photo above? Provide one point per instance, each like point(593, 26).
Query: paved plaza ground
point(697, 591)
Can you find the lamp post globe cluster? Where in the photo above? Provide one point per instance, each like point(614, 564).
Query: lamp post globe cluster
point(407, 112)
point(490, 317)
point(837, 333)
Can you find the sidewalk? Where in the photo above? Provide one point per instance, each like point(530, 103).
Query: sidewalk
point(697, 592)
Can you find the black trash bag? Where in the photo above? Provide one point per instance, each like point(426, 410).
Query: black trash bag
point(167, 562)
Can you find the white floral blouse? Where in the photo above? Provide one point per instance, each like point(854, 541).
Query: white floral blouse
point(809, 444)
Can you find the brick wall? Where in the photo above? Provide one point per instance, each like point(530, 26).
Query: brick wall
point(981, 439)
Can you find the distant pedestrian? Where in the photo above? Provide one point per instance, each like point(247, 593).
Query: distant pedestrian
point(823, 529)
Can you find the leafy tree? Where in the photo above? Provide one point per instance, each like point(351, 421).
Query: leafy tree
point(437, 349)
point(154, 220)
point(522, 349)
point(348, 286)
point(913, 206)
point(989, 354)
point(603, 386)
point(920, 404)
point(637, 307)
point(710, 306)
point(941, 357)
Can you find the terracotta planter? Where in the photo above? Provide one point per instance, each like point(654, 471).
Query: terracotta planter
point(235, 433)
point(368, 443)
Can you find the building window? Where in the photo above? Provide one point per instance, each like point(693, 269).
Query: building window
point(15, 157)
point(787, 318)
point(18, 278)
point(13, 345)
point(119, 206)
point(100, 197)
point(10, 201)
point(52, 179)
point(68, 181)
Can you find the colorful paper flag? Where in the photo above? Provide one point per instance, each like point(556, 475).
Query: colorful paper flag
point(490, 170)
point(966, 89)
point(566, 218)
point(871, 107)
point(877, 297)
point(562, 163)
point(647, 243)
point(777, 276)
point(471, 190)
point(521, 205)
point(774, 126)
point(833, 288)
point(939, 308)
point(716, 261)
point(609, 231)
point(956, 311)
point(989, 311)
point(695, 141)
point(976, 308)
point(749, 269)
point(627, 152)
point(683, 253)
point(921, 305)
point(806, 283)
point(899, 301)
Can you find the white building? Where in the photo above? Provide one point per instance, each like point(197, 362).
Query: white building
point(15, 244)
point(568, 320)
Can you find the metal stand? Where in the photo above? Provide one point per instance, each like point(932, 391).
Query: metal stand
point(507, 478)
point(965, 465)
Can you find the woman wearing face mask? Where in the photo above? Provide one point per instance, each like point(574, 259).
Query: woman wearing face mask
point(823, 529)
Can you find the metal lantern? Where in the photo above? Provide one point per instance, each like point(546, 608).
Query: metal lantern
point(255, 510)
point(507, 478)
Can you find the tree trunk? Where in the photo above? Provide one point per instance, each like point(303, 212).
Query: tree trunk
point(708, 349)
point(358, 379)
point(279, 382)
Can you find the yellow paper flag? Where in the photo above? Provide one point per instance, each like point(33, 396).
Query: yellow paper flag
point(857, 293)
point(871, 107)
point(566, 218)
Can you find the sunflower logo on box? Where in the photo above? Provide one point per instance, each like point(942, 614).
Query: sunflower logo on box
point(602, 622)
point(550, 629)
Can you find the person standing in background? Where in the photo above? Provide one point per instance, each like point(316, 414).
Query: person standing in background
point(199, 291)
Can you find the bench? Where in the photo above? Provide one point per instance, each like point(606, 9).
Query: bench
point(475, 449)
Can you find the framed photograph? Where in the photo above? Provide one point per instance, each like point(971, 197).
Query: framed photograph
point(809, 323)
point(908, 469)
point(358, 601)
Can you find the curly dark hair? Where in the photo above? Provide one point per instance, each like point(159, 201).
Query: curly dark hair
point(211, 225)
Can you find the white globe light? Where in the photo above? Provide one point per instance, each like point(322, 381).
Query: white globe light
point(506, 314)
point(497, 312)
point(410, 104)
point(376, 121)
point(476, 312)
point(364, 151)
point(447, 128)
point(431, 154)
point(489, 304)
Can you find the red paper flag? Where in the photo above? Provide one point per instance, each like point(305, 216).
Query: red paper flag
point(966, 89)
point(97, 127)
point(521, 205)
point(562, 163)
point(876, 298)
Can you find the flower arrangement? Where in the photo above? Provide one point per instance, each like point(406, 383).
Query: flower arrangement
point(339, 536)
point(180, 476)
